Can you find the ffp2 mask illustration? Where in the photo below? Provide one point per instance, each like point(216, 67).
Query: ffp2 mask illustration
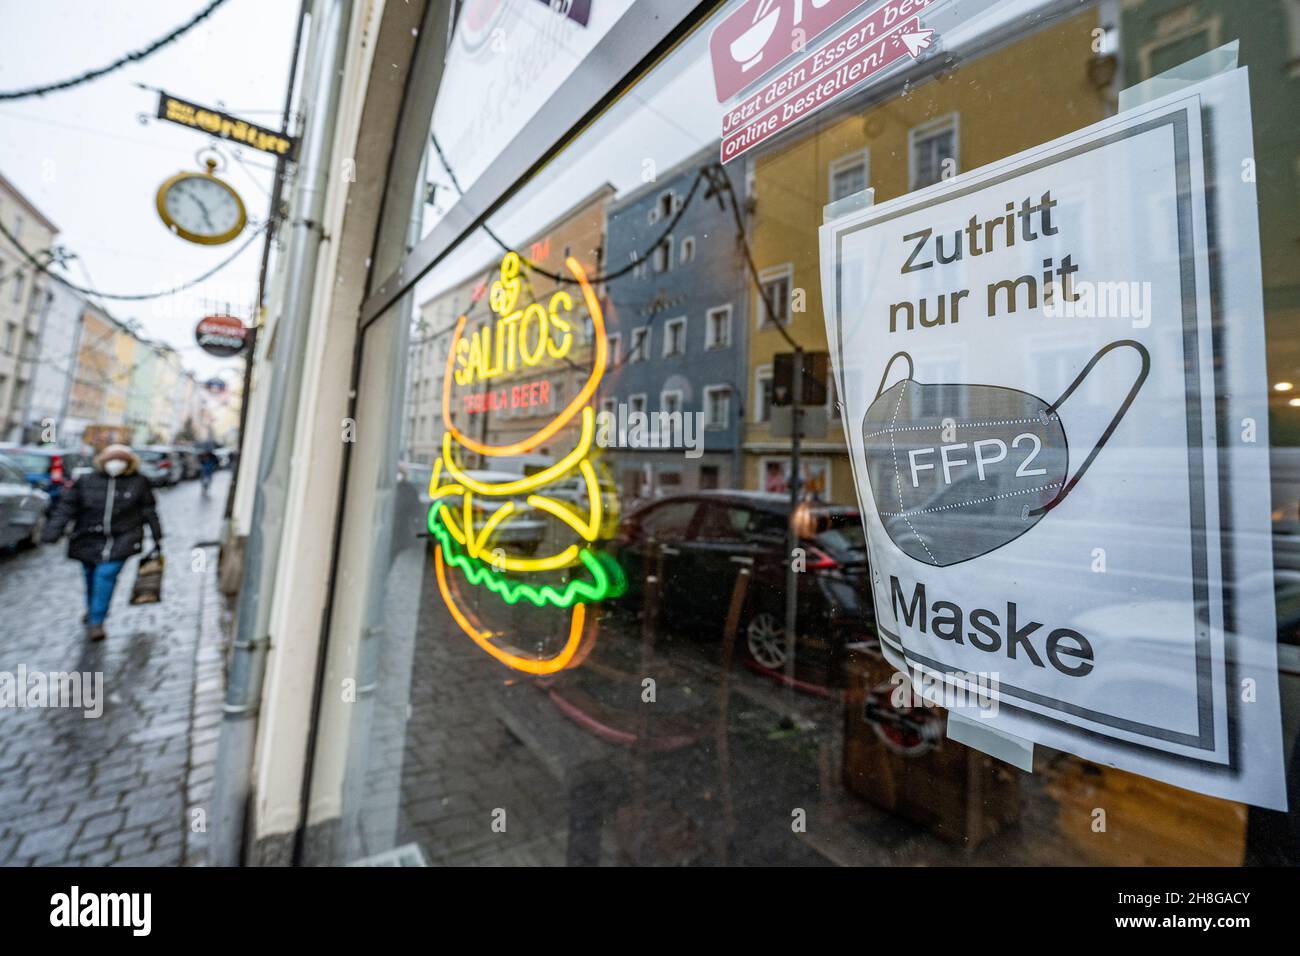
point(1005, 466)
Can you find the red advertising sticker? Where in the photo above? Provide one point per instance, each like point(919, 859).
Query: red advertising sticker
point(762, 33)
point(836, 68)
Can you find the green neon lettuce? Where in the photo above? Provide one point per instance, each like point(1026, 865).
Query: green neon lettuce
point(603, 584)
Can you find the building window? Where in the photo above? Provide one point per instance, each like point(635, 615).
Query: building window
point(663, 209)
point(1179, 36)
point(639, 345)
point(662, 258)
point(717, 328)
point(557, 394)
point(675, 337)
point(762, 403)
point(670, 402)
point(848, 175)
point(709, 477)
point(18, 280)
point(774, 304)
point(932, 151)
point(687, 252)
point(636, 403)
point(614, 342)
point(717, 406)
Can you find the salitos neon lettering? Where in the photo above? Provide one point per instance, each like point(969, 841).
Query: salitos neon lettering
point(522, 337)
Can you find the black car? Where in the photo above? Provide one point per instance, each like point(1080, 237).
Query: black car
point(705, 538)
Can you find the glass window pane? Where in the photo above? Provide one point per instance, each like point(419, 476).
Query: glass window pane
point(593, 405)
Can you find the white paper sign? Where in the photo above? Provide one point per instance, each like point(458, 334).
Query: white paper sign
point(1049, 404)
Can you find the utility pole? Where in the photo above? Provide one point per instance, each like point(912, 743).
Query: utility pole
point(792, 528)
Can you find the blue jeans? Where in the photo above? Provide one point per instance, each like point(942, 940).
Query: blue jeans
point(101, 579)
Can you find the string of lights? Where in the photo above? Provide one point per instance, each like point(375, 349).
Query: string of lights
point(133, 297)
point(133, 57)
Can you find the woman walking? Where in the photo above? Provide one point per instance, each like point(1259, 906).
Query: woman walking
point(108, 510)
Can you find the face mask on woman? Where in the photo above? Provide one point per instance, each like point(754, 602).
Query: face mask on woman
point(114, 467)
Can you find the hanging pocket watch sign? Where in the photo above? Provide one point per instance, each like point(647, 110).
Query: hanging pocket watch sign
point(201, 208)
point(1057, 419)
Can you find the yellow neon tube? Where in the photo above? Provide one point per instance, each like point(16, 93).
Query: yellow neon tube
point(562, 560)
point(529, 665)
point(529, 482)
point(489, 526)
point(579, 401)
point(591, 528)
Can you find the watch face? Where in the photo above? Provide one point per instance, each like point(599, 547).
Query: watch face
point(203, 207)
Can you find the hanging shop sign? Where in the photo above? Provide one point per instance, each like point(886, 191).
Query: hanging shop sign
point(1060, 446)
point(490, 557)
point(222, 125)
point(201, 207)
point(887, 34)
point(221, 335)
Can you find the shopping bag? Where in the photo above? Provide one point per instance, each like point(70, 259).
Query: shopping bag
point(148, 578)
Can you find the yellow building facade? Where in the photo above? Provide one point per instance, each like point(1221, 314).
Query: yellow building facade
point(950, 124)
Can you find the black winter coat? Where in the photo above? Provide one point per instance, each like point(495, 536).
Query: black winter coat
point(108, 516)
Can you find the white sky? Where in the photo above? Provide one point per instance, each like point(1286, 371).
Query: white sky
point(84, 159)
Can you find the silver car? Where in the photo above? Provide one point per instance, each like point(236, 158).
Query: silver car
point(160, 464)
point(22, 507)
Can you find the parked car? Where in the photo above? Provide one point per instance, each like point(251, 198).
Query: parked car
point(22, 505)
point(48, 467)
point(160, 464)
point(707, 537)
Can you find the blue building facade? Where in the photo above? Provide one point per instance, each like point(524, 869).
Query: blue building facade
point(677, 326)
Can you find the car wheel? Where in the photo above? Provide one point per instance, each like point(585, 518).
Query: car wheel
point(765, 640)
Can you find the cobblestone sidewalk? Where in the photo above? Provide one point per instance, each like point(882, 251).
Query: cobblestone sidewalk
point(120, 789)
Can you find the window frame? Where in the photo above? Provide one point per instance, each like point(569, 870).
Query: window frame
point(785, 271)
point(665, 247)
point(708, 392)
point(848, 161)
point(639, 340)
point(762, 411)
point(676, 322)
point(709, 342)
point(928, 130)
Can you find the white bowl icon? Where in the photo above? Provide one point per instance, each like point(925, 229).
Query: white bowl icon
point(747, 48)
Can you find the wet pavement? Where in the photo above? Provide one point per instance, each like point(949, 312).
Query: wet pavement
point(129, 786)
